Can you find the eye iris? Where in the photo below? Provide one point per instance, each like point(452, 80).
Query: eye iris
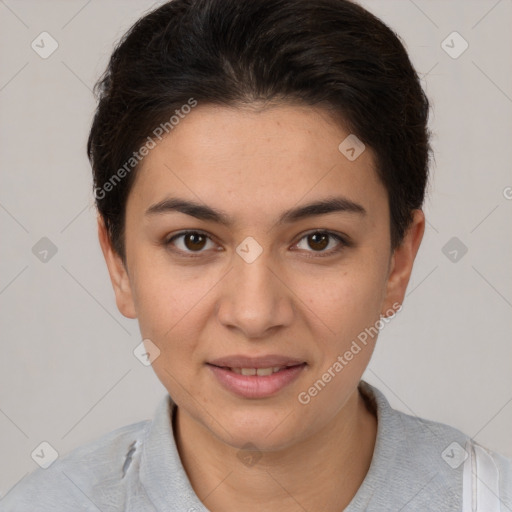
point(319, 239)
point(197, 241)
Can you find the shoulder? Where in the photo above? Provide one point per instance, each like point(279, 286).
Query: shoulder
point(462, 470)
point(449, 444)
point(91, 476)
point(425, 463)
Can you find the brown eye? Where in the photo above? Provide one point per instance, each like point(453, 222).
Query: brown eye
point(318, 241)
point(190, 242)
point(194, 241)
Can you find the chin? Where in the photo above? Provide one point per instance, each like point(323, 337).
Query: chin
point(268, 429)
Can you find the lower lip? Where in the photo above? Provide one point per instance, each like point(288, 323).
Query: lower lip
point(253, 386)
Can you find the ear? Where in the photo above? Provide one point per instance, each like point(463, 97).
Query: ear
point(402, 261)
point(118, 273)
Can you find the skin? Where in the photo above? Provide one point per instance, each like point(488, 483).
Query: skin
point(255, 164)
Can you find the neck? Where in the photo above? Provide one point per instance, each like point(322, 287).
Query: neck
point(322, 472)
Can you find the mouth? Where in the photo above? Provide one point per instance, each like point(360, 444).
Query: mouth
point(256, 377)
point(259, 362)
point(260, 372)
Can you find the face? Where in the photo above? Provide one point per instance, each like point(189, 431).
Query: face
point(226, 268)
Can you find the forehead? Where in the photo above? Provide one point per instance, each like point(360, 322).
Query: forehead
point(256, 160)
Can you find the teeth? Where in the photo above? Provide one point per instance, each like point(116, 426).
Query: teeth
point(264, 371)
point(261, 372)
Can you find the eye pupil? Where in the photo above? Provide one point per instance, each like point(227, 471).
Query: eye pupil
point(197, 240)
point(318, 238)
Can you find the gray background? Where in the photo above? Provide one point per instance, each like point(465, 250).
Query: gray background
point(67, 370)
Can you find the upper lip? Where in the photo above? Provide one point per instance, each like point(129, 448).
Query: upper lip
point(268, 361)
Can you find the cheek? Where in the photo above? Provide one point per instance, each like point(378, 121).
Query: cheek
point(170, 307)
point(345, 302)
point(168, 297)
point(173, 307)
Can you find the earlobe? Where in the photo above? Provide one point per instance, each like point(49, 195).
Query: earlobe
point(402, 262)
point(118, 273)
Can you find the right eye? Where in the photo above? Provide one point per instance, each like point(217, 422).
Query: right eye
point(189, 242)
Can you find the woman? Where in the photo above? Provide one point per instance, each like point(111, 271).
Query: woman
point(259, 172)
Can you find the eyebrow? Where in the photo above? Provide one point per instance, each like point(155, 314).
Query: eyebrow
point(207, 213)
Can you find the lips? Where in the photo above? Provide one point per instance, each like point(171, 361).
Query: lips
point(268, 361)
point(256, 377)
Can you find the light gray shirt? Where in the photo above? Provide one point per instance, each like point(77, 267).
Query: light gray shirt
point(137, 468)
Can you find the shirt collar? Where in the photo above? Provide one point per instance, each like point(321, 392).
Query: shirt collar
point(161, 472)
point(384, 452)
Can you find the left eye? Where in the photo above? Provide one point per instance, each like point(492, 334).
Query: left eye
point(320, 240)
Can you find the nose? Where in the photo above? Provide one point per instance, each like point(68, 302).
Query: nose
point(255, 298)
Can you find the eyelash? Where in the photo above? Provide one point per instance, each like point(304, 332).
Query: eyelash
point(343, 243)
